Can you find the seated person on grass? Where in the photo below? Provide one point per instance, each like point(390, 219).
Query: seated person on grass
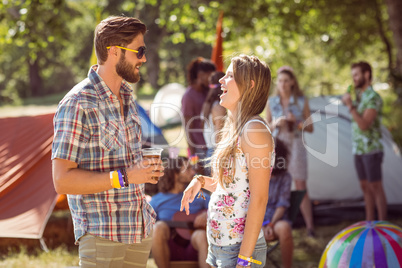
point(167, 244)
point(276, 227)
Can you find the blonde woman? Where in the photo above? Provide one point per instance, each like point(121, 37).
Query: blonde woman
point(241, 168)
point(288, 114)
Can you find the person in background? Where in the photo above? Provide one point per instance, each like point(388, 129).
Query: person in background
point(241, 169)
point(198, 72)
point(96, 153)
point(275, 225)
point(366, 139)
point(167, 244)
point(288, 114)
point(213, 116)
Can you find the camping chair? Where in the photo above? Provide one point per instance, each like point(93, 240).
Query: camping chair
point(296, 198)
point(184, 226)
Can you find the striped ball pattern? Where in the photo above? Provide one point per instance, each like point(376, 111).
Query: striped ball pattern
point(365, 244)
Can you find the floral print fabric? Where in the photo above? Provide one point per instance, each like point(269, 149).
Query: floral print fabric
point(368, 141)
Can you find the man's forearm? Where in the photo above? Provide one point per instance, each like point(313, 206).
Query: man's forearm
point(278, 214)
point(79, 181)
point(361, 123)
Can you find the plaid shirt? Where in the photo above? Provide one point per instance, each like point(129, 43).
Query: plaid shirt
point(89, 130)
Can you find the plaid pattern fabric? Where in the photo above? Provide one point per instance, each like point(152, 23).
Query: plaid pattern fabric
point(89, 130)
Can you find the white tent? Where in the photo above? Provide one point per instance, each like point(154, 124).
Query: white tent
point(165, 109)
point(331, 170)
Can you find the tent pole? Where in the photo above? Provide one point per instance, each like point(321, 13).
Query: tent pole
point(43, 245)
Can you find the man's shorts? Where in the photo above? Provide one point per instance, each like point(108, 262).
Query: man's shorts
point(368, 166)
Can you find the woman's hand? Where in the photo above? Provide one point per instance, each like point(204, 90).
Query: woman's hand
point(189, 194)
point(279, 122)
point(291, 117)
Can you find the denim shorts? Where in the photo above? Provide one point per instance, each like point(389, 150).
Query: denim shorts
point(226, 256)
point(368, 166)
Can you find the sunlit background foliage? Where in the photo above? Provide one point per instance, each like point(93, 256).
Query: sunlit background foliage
point(46, 45)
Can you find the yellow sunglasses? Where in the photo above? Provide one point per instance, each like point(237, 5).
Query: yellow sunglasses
point(140, 52)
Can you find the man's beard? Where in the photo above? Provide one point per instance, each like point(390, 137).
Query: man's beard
point(360, 83)
point(127, 71)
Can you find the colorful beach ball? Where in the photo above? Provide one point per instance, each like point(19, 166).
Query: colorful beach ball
point(365, 244)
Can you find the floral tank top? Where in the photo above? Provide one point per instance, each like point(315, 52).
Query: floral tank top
point(228, 206)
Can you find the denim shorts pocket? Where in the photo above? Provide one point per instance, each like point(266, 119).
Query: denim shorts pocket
point(223, 257)
point(260, 252)
point(230, 250)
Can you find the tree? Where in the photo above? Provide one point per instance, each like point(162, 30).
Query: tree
point(36, 34)
point(395, 22)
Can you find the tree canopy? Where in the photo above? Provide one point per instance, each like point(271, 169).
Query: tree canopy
point(46, 42)
point(47, 45)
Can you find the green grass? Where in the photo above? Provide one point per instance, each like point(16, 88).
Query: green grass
point(146, 92)
point(59, 238)
point(52, 99)
point(45, 100)
point(58, 257)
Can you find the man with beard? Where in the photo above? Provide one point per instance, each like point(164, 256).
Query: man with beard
point(366, 135)
point(168, 244)
point(96, 153)
point(198, 72)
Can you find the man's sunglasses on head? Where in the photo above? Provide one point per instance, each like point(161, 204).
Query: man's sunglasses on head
point(140, 52)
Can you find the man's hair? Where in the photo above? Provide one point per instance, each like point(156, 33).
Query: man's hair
point(281, 158)
point(116, 31)
point(364, 67)
point(215, 77)
point(172, 167)
point(199, 65)
point(213, 94)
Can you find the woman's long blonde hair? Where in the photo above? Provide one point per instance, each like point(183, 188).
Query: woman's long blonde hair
point(251, 103)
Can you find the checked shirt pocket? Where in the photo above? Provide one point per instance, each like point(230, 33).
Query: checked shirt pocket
point(110, 138)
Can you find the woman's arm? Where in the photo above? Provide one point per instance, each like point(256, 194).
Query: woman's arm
point(257, 145)
point(193, 189)
point(308, 123)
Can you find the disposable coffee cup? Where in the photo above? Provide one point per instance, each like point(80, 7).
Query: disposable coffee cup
point(149, 153)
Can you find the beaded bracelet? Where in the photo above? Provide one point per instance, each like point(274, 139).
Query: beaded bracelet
point(201, 179)
point(125, 176)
